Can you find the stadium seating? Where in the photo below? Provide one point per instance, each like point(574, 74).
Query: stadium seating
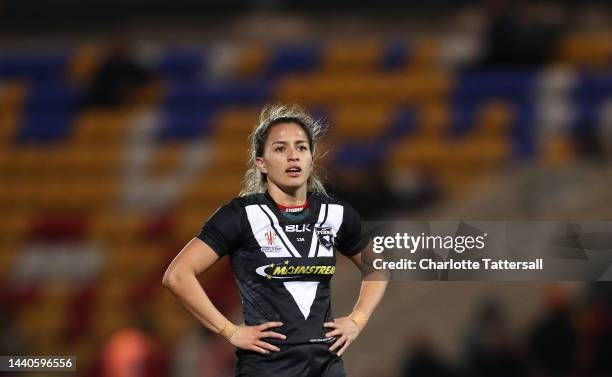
point(391, 103)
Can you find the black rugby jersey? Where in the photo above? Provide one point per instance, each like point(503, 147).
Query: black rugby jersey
point(283, 266)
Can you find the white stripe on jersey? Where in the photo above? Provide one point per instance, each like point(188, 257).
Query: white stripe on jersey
point(260, 225)
point(335, 215)
point(315, 241)
point(280, 231)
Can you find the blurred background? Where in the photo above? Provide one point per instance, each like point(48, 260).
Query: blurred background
point(124, 124)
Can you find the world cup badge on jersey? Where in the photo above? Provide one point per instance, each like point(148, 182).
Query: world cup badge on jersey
point(270, 245)
point(325, 236)
point(270, 237)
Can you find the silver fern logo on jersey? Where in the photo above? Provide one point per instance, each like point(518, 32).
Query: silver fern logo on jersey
point(325, 236)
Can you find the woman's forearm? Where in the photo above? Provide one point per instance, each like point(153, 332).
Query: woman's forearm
point(370, 295)
point(189, 291)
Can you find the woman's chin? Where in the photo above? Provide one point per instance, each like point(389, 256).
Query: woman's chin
point(291, 185)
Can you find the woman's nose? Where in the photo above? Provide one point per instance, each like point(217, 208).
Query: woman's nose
point(293, 155)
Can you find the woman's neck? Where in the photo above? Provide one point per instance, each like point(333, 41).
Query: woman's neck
point(286, 197)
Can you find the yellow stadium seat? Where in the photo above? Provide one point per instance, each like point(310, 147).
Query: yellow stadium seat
point(363, 123)
point(92, 194)
point(352, 55)
point(493, 120)
point(15, 223)
point(109, 318)
point(235, 124)
point(425, 53)
point(212, 189)
point(150, 95)
point(9, 127)
point(587, 50)
point(433, 119)
point(192, 218)
point(95, 127)
point(230, 155)
point(9, 252)
point(417, 154)
point(171, 320)
point(84, 64)
point(478, 155)
point(12, 96)
point(53, 304)
point(414, 86)
point(560, 150)
point(419, 85)
point(115, 226)
point(251, 61)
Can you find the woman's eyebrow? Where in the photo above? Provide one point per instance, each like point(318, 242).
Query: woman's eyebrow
point(284, 142)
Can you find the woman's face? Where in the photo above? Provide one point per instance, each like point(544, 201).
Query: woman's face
point(287, 158)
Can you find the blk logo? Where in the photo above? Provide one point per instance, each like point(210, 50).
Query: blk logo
point(297, 228)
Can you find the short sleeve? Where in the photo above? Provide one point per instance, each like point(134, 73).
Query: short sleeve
point(222, 230)
point(349, 240)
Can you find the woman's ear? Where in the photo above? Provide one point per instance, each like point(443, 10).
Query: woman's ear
point(261, 165)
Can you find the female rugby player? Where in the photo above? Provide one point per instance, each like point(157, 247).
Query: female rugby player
point(281, 235)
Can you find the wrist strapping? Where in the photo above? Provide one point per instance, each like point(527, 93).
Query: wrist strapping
point(359, 318)
point(229, 330)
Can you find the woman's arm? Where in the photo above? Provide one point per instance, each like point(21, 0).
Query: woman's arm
point(373, 286)
point(181, 279)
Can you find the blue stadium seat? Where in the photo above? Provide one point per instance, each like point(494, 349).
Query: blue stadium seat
point(510, 85)
point(594, 85)
point(48, 113)
point(35, 66)
point(403, 123)
point(589, 96)
point(188, 95)
point(44, 128)
point(359, 155)
point(294, 58)
point(523, 131)
point(184, 64)
point(185, 126)
point(395, 56)
point(463, 116)
point(52, 98)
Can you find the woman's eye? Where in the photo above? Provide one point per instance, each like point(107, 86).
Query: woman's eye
point(279, 149)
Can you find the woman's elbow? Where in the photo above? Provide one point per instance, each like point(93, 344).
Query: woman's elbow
point(171, 278)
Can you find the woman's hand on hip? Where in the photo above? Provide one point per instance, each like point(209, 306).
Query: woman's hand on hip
point(250, 337)
point(345, 329)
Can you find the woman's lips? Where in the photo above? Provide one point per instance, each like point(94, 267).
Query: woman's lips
point(294, 172)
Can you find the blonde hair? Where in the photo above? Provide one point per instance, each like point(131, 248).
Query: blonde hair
point(271, 115)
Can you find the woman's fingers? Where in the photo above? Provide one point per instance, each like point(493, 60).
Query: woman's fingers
point(344, 347)
point(338, 343)
point(271, 334)
point(330, 324)
point(267, 325)
point(258, 349)
point(266, 346)
point(333, 333)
